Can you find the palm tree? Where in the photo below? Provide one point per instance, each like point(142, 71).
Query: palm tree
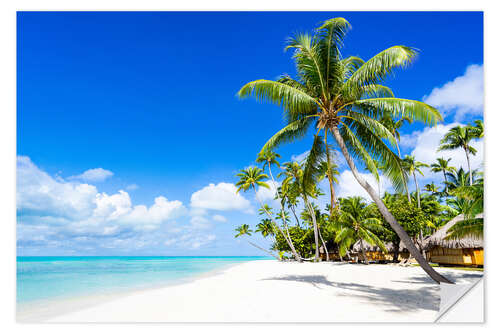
point(460, 137)
point(471, 225)
point(252, 177)
point(413, 166)
point(432, 188)
point(343, 97)
point(477, 129)
point(266, 228)
point(297, 179)
point(459, 178)
point(393, 126)
point(443, 166)
point(330, 169)
point(243, 229)
point(357, 223)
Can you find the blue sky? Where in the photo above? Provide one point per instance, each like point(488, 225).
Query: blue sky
point(146, 101)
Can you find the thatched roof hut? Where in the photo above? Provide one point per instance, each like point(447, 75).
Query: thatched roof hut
point(438, 238)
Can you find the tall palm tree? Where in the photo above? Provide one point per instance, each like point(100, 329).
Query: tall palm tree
point(298, 179)
point(393, 126)
point(266, 228)
point(252, 177)
point(477, 128)
point(459, 137)
point(443, 166)
point(330, 169)
point(357, 223)
point(413, 166)
point(460, 178)
point(343, 97)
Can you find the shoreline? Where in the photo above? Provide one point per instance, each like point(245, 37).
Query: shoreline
point(272, 291)
point(41, 310)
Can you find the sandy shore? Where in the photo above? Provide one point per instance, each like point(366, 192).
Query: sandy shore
point(271, 291)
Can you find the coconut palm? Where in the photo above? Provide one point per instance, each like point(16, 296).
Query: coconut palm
point(330, 170)
point(266, 228)
point(252, 177)
point(478, 128)
point(432, 188)
point(393, 126)
point(299, 180)
point(472, 224)
point(460, 137)
point(358, 223)
point(243, 229)
point(459, 178)
point(443, 166)
point(343, 98)
point(413, 167)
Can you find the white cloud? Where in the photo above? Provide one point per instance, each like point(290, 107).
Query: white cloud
point(219, 218)
point(192, 242)
point(427, 143)
point(80, 209)
point(464, 95)
point(348, 186)
point(267, 194)
point(93, 175)
point(300, 157)
point(132, 187)
point(221, 197)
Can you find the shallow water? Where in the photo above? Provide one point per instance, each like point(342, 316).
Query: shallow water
point(52, 278)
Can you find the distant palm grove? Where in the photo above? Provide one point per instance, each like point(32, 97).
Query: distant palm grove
point(341, 102)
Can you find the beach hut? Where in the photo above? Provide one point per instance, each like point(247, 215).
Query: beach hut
point(373, 253)
point(466, 251)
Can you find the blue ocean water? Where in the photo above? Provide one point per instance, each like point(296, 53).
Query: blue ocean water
point(52, 278)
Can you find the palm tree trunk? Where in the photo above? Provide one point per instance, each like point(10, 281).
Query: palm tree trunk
point(421, 240)
point(295, 214)
point(468, 164)
point(282, 213)
point(268, 252)
point(332, 195)
point(315, 226)
point(404, 180)
point(364, 252)
point(387, 215)
point(445, 181)
point(324, 245)
point(287, 239)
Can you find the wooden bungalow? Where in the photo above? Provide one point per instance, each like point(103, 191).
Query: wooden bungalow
point(464, 252)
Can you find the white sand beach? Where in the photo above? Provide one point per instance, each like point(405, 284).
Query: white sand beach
point(271, 291)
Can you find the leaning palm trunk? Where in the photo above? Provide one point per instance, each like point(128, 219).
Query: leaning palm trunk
point(324, 245)
point(282, 212)
point(268, 252)
point(386, 214)
point(421, 240)
point(288, 240)
point(315, 226)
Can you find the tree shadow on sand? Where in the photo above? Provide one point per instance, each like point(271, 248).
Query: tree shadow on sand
point(397, 300)
point(456, 277)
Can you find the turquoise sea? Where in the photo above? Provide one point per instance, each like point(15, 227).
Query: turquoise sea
point(52, 278)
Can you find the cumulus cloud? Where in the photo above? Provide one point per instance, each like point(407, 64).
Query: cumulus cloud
point(54, 212)
point(267, 194)
point(348, 186)
point(93, 175)
point(189, 241)
point(219, 218)
point(427, 142)
point(464, 95)
point(221, 197)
